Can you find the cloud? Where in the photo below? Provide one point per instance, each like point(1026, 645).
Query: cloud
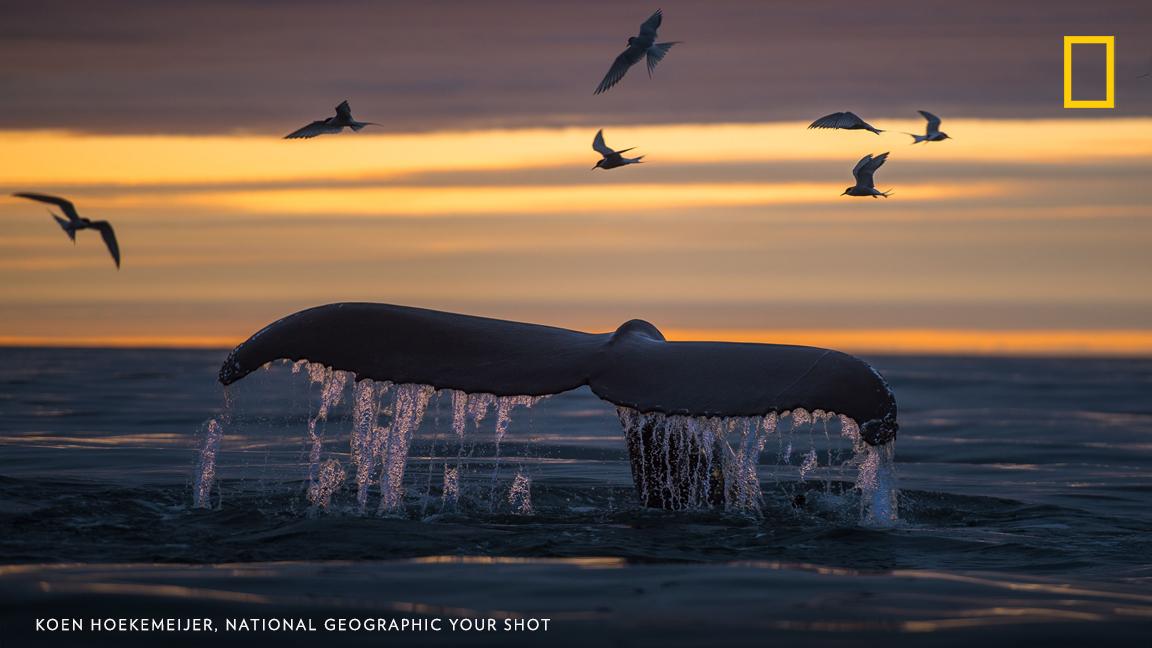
point(264, 67)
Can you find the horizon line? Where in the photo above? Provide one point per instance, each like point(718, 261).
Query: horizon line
point(1117, 343)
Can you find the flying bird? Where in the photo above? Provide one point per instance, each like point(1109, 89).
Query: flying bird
point(330, 126)
point(863, 172)
point(75, 223)
point(932, 133)
point(844, 121)
point(612, 159)
point(639, 47)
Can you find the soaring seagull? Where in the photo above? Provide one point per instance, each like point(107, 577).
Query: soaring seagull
point(612, 159)
point(845, 121)
point(932, 133)
point(330, 126)
point(639, 47)
point(75, 222)
point(863, 172)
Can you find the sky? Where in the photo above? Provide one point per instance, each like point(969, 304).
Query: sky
point(1028, 232)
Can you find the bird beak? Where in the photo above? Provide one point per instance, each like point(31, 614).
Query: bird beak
point(594, 168)
point(845, 193)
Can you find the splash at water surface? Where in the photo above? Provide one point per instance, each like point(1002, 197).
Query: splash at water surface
point(677, 462)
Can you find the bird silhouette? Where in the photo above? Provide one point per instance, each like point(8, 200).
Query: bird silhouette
point(932, 132)
point(75, 223)
point(639, 47)
point(612, 159)
point(844, 121)
point(330, 126)
point(864, 171)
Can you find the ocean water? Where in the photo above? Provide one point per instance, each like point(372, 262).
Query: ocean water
point(1024, 491)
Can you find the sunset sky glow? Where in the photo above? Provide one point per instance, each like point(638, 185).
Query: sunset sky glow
point(1027, 233)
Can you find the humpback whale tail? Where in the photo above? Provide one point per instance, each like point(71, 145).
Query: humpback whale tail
point(673, 398)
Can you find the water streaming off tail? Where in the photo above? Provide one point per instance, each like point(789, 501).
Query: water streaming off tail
point(683, 462)
point(213, 434)
point(876, 478)
point(409, 449)
point(206, 465)
point(331, 392)
point(520, 495)
point(328, 479)
point(409, 402)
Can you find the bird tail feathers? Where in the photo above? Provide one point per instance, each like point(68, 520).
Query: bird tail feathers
point(66, 226)
point(656, 54)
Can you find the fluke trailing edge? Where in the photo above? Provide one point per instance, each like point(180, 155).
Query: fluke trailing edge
point(633, 367)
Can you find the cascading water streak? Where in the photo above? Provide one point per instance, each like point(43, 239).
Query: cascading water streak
point(678, 462)
point(205, 476)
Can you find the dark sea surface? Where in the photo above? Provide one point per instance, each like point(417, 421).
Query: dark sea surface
point(1024, 516)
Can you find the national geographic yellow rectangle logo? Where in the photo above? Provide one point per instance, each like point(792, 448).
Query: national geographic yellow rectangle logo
point(1109, 43)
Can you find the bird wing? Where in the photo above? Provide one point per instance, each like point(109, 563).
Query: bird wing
point(109, 239)
point(860, 166)
point(599, 146)
point(656, 54)
point(344, 111)
point(837, 120)
point(866, 167)
point(321, 127)
point(627, 59)
point(66, 206)
point(933, 121)
point(649, 27)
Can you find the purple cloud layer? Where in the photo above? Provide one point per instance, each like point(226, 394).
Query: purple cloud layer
point(213, 66)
